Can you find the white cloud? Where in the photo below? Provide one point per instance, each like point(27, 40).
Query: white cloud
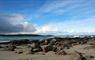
point(59, 4)
point(70, 27)
point(73, 9)
point(60, 7)
point(46, 29)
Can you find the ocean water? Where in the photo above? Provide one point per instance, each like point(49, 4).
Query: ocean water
point(22, 37)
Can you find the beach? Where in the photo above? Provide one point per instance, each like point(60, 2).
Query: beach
point(50, 49)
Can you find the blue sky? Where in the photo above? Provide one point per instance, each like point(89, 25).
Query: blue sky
point(49, 16)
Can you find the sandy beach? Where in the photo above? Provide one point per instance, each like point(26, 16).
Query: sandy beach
point(66, 50)
point(10, 55)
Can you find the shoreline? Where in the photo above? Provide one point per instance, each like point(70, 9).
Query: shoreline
point(56, 48)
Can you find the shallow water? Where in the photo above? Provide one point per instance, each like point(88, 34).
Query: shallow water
point(22, 37)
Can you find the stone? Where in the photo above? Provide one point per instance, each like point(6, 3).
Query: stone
point(61, 52)
point(48, 48)
point(50, 53)
point(19, 51)
point(36, 49)
point(40, 53)
point(10, 48)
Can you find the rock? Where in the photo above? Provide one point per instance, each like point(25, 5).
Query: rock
point(81, 56)
point(50, 53)
point(92, 42)
point(74, 55)
point(40, 53)
point(1, 47)
point(10, 48)
point(89, 57)
point(36, 49)
point(19, 42)
point(24, 50)
point(61, 52)
point(52, 42)
point(19, 51)
point(48, 48)
point(44, 42)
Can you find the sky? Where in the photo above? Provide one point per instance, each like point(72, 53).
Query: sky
point(47, 16)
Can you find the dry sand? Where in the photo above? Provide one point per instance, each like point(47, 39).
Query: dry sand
point(9, 55)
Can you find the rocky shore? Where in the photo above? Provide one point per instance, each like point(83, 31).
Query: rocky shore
point(56, 48)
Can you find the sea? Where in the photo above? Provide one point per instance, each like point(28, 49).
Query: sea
point(7, 38)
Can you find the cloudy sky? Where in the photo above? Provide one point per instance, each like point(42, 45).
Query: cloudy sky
point(47, 16)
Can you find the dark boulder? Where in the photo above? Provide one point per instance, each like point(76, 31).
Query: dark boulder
point(10, 48)
point(50, 48)
point(36, 49)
